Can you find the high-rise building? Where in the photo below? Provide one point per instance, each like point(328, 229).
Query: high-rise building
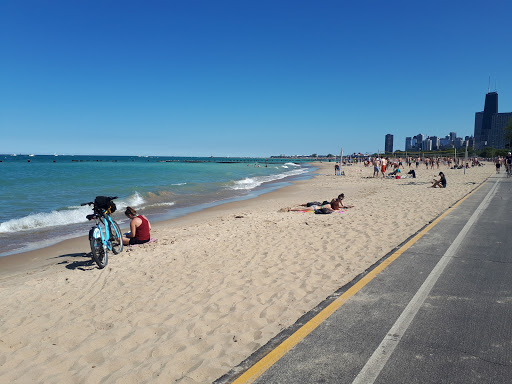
point(445, 142)
point(458, 142)
point(435, 142)
point(388, 145)
point(490, 125)
point(496, 138)
point(408, 143)
point(419, 141)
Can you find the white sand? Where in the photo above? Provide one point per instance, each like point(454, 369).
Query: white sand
point(214, 288)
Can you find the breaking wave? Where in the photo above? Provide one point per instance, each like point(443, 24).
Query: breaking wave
point(253, 182)
point(76, 214)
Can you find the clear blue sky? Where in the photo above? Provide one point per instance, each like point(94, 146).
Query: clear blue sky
point(245, 78)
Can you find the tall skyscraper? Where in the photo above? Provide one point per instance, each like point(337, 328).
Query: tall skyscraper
point(419, 141)
point(490, 109)
point(408, 143)
point(435, 142)
point(490, 125)
point(388, 145)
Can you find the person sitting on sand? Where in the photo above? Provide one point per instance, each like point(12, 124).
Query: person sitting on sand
point(139, 226)
point(441, 183)
point(395, 172)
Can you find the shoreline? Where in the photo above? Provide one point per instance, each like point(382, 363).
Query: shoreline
point(218, 284)
point(41, 257)
point(170, 214)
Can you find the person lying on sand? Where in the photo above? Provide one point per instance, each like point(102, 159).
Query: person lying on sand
point(335, 205)
point(312, 203)
point(340, 197)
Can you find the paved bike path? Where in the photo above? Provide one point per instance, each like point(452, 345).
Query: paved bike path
point(460, 333)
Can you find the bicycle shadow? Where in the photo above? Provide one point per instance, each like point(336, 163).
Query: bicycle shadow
point(81, 265)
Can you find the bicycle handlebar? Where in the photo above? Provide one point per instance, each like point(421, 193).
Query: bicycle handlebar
point(92, 202)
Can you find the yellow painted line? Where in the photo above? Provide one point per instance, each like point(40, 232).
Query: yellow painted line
point(273, 356)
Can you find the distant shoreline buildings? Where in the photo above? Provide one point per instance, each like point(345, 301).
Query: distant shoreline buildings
point(489, 131)
point(434, 143)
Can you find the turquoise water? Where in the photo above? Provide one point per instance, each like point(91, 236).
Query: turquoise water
point(40, 196)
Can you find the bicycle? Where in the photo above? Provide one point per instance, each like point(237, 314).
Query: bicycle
point(106, 235)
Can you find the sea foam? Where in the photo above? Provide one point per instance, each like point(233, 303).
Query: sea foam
point(67, 216)
point(45, 220)
point(253, 182)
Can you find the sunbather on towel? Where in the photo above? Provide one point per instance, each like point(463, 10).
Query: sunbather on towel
point(335, 205)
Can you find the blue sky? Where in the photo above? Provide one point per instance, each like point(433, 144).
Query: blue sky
point(245, 78)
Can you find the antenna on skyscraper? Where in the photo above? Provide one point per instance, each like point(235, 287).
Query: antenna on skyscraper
point(495, 87)
point(489, 86)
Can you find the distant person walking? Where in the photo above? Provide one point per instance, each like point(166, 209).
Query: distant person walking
point(376, 166)
point(508, 163)
point(383, 164)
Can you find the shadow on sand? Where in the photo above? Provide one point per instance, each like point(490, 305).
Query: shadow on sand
point(82, 265)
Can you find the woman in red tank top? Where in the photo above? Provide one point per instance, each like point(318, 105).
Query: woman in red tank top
point(139, 226)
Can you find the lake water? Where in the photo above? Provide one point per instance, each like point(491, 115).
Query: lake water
point(40, 196)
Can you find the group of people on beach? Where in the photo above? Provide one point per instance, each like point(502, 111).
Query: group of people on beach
point(381, 164)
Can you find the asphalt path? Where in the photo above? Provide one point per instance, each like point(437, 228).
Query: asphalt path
point(440, 312)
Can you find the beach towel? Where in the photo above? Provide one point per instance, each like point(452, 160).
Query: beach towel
point(308, 211)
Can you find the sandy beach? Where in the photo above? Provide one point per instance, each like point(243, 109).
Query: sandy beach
point(217, 285)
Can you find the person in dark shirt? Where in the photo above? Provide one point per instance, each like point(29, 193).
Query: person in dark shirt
point(508, 163)
point(441, 183)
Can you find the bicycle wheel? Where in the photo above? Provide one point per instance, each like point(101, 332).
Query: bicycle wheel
point(116, 238)
point(98, 251)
